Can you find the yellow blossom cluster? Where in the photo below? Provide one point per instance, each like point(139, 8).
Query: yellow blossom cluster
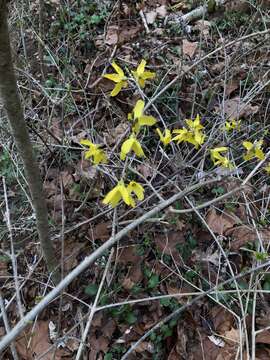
point(192, 133)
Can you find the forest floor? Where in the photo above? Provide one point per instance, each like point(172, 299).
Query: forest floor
point(201, 259)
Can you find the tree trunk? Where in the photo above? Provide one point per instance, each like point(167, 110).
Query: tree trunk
point(12, 104)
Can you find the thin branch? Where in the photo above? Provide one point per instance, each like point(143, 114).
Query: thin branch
point(186, 306)
point(6, 340)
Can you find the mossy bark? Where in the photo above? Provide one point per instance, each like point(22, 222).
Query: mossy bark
point(12, 104)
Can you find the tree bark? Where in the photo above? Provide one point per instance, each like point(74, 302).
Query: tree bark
point(12, 104)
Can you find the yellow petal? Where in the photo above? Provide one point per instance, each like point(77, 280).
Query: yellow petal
point(197, 120)
point(118, 69)
point(126, 148)
point(138, 109)
point(141, 67)
point(147, 120)
point(259, 153)
point(113, 77)
point(148, 75)
point(248, 145)
point(116, 90)
point(137, 148)
point(99, 157)
point(113, 197)
point(141, 82)
point(86, 142)
point(137, 189)
point(125, 194)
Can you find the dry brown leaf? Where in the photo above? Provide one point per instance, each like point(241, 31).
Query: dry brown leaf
point(189, 48)
point(222, 319)
point(144, 346)
point(146, 169)
point(203, 26)
point(235, 108)
point(112, 35)
point(231, 87)
point(232, 336)
point(115, 134)
point(219, 223)
point(100, 231)
point(127, 283)
point(128, 255)
point(167, 244)
point(127, 33)
point(39, 343)
point(263, 337)
point(243, 234)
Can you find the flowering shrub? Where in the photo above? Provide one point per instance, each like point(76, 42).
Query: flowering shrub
point(192, 133)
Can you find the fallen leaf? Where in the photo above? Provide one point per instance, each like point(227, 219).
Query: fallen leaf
point(128, 255)
point(127, 33)
point(39, 343)
point(244, 234)
point(235, 108)
point(167, 244)
point(232, 336)
point(189, 48)
point(263, 337)
point(219, 223)
point(115, 134)
point(146, 169)
point(203, 26)
point(231, 87)
point(222, 319)
point(100, 231)
point(112, 35)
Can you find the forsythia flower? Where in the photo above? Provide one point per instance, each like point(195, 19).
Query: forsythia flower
point(131, 144)
point(98, 155)
point(218, 159)
point(166, 138)
point(138, 117)
point(137, 189)
point(141, 75)
point(119, 78)
point(192, 135)
point(233, 124)
point(253, 150)
point(120, 191)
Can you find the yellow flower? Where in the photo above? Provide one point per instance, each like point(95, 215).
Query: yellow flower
point(141, 75)
point(218, 159)
point(116, 194)
point(98, 155)
point(138, 117)
point(120, 191)
point(233, 124)
point(119, 78)
point(166, 138)
point(193, 134)
point(195, 125)
point(253, 150)
point(137, 189)
point(131, 144)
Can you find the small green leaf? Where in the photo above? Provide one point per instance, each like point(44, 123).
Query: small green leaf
point(108, 356)
point(91, 289)
point(153, 281)
point(131, 318)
